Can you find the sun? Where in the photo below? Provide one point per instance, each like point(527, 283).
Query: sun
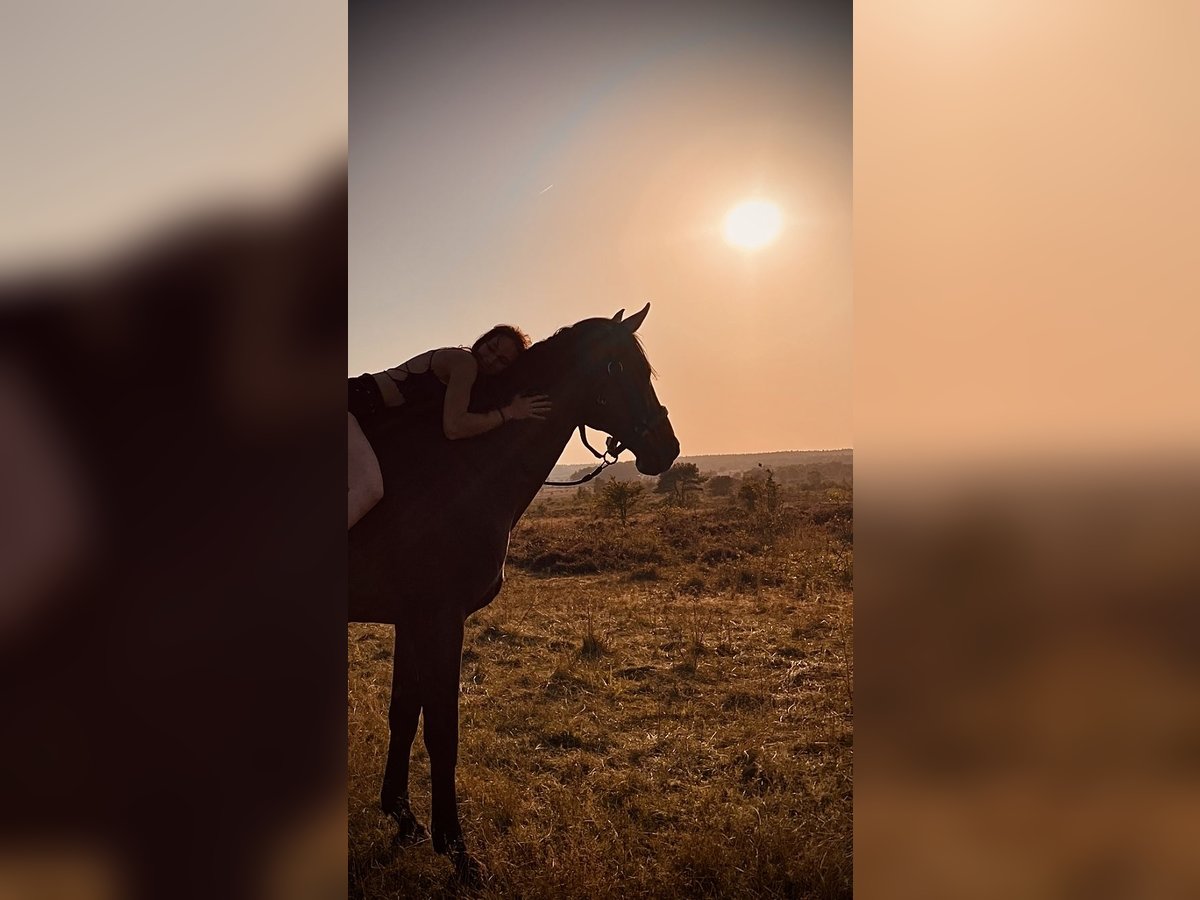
point(753, 224)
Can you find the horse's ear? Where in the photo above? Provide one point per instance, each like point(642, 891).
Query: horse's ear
point(617, 317)
point(635, 320)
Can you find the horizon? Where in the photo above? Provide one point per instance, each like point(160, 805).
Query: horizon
point(591, 460)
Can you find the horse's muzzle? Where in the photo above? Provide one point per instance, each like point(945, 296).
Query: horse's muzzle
point(659, 451)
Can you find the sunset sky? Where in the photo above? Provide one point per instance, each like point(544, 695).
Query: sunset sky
point(543, 166)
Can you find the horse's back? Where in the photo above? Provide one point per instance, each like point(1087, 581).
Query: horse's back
point(433, 541)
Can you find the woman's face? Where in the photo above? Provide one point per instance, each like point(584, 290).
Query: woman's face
point(496, 354)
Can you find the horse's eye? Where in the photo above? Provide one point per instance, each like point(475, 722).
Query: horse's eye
point(615, 368)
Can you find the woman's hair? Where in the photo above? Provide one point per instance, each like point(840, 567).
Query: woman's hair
point(509, 331)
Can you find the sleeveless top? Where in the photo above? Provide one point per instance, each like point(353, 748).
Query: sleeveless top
point(398, 388)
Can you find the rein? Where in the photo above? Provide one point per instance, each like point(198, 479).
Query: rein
point(612, 448)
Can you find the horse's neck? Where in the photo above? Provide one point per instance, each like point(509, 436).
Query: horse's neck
point(541, 451)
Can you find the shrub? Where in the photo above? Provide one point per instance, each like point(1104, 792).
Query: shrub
point(680, 482)
point(751, 495)
point(720, 485)
point(617, 498)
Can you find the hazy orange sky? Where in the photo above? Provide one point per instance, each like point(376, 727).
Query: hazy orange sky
point(542, 166)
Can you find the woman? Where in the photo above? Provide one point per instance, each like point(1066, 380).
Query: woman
point(446, 376)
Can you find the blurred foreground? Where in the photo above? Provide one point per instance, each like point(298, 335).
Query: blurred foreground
point(172, 459)
point(1029, 684)
point(172, 569)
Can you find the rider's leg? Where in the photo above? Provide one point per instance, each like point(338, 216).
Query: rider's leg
point(365, 481)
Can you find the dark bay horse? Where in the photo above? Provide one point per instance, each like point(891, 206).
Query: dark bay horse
point(432, 551)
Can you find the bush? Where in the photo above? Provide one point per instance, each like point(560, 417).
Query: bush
point(720, 485)
point(618, 498)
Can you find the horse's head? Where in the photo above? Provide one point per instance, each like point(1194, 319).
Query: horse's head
point(618, 397)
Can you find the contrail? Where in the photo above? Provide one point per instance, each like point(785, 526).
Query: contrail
point(546, 188)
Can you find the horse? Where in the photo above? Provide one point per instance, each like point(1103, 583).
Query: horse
point(432, 551)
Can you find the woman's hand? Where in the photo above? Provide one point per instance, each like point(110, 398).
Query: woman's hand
point(528, 406)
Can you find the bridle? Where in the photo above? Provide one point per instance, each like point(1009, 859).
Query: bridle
point(613, 447)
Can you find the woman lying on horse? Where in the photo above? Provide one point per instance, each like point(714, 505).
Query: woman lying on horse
point(442, 377)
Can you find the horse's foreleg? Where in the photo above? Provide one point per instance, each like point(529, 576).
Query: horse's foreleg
point(404, 712)
point(439, 698)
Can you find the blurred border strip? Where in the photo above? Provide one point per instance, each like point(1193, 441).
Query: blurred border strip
point(1026, 434)
point(172, 354)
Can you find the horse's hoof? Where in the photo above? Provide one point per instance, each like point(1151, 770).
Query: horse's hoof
point(444, 843)
point(410, 835)
point(469, 871)
point(410, 830)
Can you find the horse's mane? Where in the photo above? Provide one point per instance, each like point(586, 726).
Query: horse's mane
point(547, 360)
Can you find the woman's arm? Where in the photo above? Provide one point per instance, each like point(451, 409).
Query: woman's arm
point(459, 368)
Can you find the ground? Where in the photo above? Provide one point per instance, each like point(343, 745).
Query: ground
point(662, 709)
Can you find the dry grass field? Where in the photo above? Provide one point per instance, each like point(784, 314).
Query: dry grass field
point(656, 709)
